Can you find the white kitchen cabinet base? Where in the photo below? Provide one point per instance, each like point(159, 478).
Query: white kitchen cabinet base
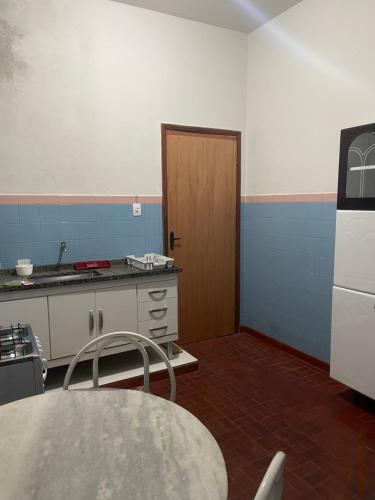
point(67, 318)
point(353, 340)
point(53, 363)
point(130, 366)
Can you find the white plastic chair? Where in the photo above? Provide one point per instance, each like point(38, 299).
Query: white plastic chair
point(137, 340)
point(271, 487)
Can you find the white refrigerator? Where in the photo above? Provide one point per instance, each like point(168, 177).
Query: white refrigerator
point(353, 296)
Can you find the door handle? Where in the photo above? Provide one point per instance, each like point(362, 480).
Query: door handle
point(172, 239)
point(101, 319)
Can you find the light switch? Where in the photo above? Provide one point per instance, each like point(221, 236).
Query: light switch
point(137, 209)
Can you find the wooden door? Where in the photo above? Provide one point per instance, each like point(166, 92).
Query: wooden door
point(201, 206)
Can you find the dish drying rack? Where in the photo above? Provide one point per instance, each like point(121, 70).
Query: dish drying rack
point(149, 261)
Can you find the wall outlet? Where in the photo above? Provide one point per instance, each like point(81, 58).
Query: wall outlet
point(137, 209)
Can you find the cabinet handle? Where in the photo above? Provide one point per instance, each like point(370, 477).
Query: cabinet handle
point(91, 321)
point(101, 319)
point(157, 290)
point(160, 309)
point(158, 328)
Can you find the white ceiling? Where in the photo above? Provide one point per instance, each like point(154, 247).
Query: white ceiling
point(239, 15)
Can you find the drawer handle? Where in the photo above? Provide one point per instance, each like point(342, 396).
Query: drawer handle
point(157, 290)
point(158, 328)
point(158, 310)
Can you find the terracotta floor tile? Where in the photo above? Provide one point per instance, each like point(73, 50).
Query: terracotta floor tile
point(256, 399)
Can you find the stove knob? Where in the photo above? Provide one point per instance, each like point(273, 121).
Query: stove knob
point(44, 369)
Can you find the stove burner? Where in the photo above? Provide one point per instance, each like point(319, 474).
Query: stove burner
point(13, 342)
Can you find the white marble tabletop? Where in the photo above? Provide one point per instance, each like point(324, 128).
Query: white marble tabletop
point(106, 445)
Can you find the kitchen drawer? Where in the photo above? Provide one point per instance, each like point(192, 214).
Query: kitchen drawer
point(159, 310)
point(157, 291)
point(158, 327)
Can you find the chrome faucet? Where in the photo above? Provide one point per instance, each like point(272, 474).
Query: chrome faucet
point(63, 249)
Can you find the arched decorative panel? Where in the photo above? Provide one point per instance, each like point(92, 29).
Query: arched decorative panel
point(356, 190)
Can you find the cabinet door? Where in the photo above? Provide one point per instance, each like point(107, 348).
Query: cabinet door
point(117, 311)
point(356, 189)
point(353, 340)
point(32, 311)
point(355, 250)
point(72, 322)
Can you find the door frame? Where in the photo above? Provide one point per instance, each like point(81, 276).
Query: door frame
point(165, 127)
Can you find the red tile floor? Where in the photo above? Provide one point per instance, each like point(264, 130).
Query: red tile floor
point(257, 399)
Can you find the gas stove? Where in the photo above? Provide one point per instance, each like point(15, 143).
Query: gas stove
point(15, 342)
point(23, 365)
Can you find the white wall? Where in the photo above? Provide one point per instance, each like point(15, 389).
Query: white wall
point(85, 85)
point(311, 73)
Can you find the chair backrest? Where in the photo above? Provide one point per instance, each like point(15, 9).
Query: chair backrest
point(138, 341)
point(271, 487)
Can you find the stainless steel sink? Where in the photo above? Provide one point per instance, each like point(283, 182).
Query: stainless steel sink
point(65, 277)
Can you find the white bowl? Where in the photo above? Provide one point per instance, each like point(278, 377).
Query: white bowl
point(24, 269)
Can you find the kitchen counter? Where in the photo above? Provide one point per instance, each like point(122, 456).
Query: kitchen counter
point(119, 271)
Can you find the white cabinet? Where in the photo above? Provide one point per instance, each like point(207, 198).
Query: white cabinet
point(72, 322)
point(353, 340)
point(116, 310)
point(355, 250)
point(67, 319)
point(75, 319)
point(33, 311)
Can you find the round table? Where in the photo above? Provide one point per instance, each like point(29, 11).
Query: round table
point(107, 445)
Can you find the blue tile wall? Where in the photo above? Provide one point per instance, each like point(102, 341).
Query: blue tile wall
point(91, 232)
point(287, 256)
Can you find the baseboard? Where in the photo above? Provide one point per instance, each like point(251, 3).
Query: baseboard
point(291, 350)
point(133, 382)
